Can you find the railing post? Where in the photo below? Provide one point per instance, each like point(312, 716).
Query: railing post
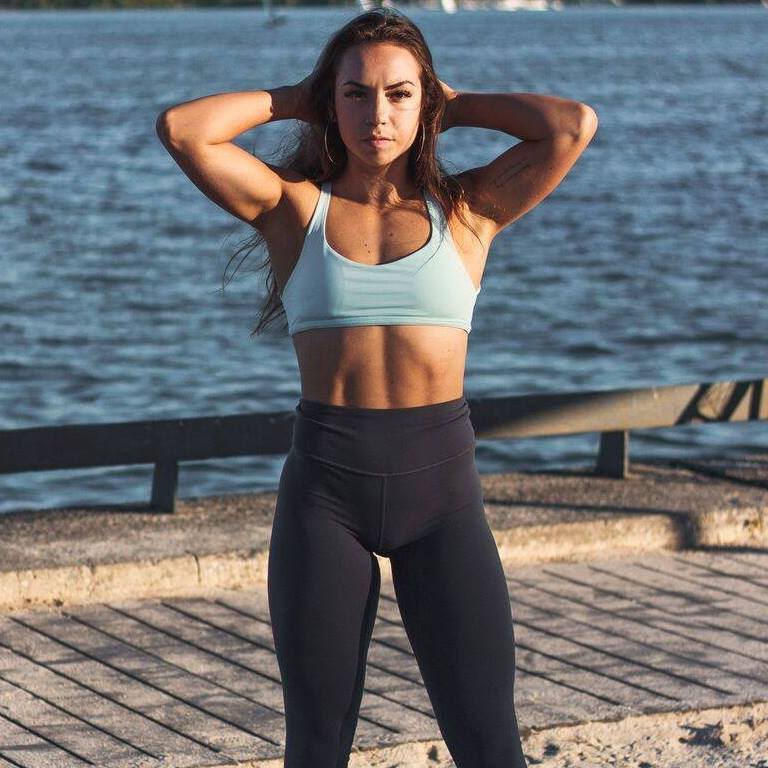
point(164, 483)
point(613, 456)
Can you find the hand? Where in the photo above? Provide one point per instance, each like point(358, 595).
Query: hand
point(448, 115)
point(303, 104)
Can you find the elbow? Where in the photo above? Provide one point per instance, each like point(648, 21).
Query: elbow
point(578, 121)
point(161, 127)
point(164, 127)
point(587, 122)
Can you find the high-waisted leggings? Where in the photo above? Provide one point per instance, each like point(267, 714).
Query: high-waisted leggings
point(402, 483)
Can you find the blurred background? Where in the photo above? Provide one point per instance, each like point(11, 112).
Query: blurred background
point(646, 266)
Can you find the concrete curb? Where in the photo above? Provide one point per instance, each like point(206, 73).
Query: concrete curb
point(191, 574)
point(745, 527)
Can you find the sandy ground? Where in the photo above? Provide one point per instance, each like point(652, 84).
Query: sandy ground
point(736, 737)
point(715, 738)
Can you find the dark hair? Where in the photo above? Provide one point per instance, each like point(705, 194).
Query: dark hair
point(306, 152)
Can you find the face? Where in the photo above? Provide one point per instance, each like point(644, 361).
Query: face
point(378, 92)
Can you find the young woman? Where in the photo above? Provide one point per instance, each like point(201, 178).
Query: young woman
point(378, 256)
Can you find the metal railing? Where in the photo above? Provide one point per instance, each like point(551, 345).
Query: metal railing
point(167, 442)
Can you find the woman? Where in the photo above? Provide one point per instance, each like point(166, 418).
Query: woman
point(378, 256)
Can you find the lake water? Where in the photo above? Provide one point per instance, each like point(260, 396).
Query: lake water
point(647, 266)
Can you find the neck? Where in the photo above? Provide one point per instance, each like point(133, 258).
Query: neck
point(381, 186)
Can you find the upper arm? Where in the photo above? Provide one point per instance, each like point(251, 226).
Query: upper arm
point(232, 178)
point(523, 175)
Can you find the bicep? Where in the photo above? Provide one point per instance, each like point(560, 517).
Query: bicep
point(234, 179)
point(522, 176)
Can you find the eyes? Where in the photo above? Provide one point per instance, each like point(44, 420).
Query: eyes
point(353, 94)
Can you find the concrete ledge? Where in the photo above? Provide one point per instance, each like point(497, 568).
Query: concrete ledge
point(53, 557)
point(169, 577)
point(641, 533)
point(190, 575)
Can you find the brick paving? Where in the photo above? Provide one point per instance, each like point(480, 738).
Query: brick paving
point(194, 681)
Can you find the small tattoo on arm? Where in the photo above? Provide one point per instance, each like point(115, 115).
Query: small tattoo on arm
point(488, 204)
point(506, 174)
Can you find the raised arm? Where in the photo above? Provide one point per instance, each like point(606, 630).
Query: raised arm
point(554, 133)
point(198, 135)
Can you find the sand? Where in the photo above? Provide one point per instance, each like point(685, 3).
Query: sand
point(715, 738)
point(734, 737)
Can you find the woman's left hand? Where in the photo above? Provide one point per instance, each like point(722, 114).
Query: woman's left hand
point(450, 95)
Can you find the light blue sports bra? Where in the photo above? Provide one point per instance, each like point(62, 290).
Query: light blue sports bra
point(430, 286)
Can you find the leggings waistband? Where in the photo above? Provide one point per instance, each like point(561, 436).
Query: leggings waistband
point(383, 440)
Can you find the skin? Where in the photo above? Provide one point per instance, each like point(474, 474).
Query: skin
point(376, 215)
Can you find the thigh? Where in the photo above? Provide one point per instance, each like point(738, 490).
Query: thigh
point(323, 588)
point(453, 598)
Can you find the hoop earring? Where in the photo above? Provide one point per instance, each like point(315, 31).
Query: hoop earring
point(423, 133)
point(325, 142)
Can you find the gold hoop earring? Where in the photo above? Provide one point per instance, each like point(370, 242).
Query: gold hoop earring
point(325, 142)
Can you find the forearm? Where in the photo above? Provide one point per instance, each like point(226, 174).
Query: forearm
point(222, 116)
point(525, 115)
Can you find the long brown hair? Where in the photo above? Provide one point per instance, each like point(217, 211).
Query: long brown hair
point(305, 151)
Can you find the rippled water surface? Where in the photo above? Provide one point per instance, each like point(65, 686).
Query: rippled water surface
point(648, 265)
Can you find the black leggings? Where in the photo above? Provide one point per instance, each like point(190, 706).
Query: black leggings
point(403, 483)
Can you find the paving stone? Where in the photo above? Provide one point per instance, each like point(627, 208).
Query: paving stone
point(682, 653)
point(195, 681)
point(145, 683)
point(25, 747)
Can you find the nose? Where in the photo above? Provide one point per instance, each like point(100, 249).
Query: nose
point(379, 109)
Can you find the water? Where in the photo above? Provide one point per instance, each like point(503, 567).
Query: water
point(646, 266)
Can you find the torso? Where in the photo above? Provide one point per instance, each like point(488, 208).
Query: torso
point(369, 366)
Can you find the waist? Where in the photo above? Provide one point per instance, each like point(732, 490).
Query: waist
point(383, 440)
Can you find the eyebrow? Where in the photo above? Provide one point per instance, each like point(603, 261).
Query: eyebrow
point(386, 87)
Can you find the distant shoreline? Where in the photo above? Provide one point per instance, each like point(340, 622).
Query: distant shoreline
point(53, 5)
